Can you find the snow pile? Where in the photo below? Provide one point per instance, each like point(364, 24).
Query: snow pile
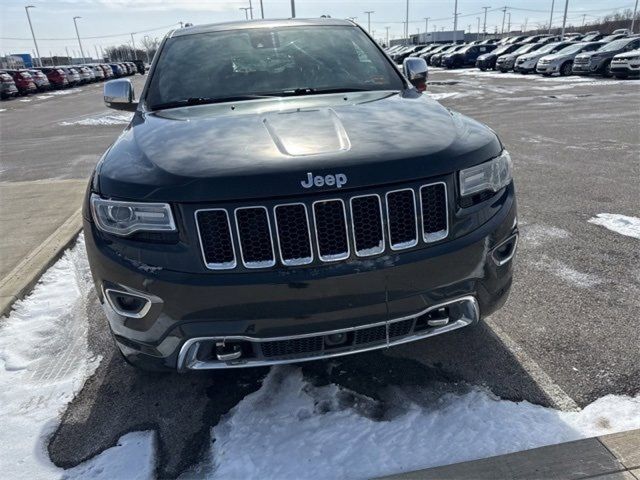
point(291, 429)
point(44, 361)
point(629, 226)
point(102, 120)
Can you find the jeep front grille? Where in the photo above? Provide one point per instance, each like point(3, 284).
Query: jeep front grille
point(296, 233)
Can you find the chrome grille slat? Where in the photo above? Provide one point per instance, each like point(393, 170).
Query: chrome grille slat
point(409, 216)
point(332, 234)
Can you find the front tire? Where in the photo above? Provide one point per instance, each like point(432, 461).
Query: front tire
point(606, 69)
point(566, 69)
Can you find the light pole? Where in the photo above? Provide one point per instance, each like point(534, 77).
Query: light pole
point(246, 12)
point(551, 16)
point(26, 9)
point(633, 19)
point(293, 8)
point(251, 9)
point(455, 21)
point(426, 27)
point(509, 22)
point(261, 10)
point(78, 35)
point(369, 12)
point(484, 27)
point(135, 52)
point(146, 46)
point(406, 25)
point(478, 36)
point(387, 29)
point(504, 15)
point(564, 20)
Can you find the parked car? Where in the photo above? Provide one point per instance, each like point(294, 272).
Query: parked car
point(614, 36)
point(622, 31)
point(98, 72)
point(437, 58)
point(199, 266)
point(506, 62)
point(592, 36)
point(465, 56)
point(562, 61)
point(72, 75)
point(440, 48)
point(86, 75)
point(487, 61)
point(40, 79)
point(626, 64)
point(139, 66)
point(56, 76)
point(108, 72)
point(527, 62)
point(514, 39)
point(599, 61)
point(401, 55)
point(23, 80)
point(573, 36)
point(117, 70)
point(7, 86)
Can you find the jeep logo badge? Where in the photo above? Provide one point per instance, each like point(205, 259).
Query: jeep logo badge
point(339, 179)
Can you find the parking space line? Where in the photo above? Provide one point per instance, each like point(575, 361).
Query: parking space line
point(559, 398)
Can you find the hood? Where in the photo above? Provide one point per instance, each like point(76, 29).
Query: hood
point(530, 56)
point(587, 54)
point(487, 56)
point(631, 54)
point(553, 57)
point(267, 147)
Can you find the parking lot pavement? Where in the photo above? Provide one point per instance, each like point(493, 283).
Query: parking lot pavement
point(568, 335)
point(49, 144)
point(575, 144)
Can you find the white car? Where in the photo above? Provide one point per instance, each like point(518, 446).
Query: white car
point(626, 64)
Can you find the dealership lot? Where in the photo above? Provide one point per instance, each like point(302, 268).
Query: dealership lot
point(567, 336)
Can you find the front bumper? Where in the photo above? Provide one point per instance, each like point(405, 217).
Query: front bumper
point(524, 68)
point(585, 67)
point(547, 68)
point(625, 69)
point(189, 313)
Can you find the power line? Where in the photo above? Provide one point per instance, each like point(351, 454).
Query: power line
point(97, 36)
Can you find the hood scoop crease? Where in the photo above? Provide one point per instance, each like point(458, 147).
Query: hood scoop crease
point(307, 132)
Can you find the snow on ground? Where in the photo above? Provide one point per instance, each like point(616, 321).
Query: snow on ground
point(44, 361)
point(566, 272)
point(292, 429)
point(622, 224)
point(102, 120)
point(536, 234)
point(3, 109)
point(289, 428)
point(64, 92)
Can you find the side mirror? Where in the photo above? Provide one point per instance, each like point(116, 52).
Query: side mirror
point(118, 94)
point(416, 71)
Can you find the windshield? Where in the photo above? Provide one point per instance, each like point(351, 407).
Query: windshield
point(501, 50)
point(524, 48)
point(572, 48)
point(615, 45)
point(274, 61)
point(547, 48)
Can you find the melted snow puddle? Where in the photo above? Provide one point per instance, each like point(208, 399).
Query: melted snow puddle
point(102, 120)
point(622, 224)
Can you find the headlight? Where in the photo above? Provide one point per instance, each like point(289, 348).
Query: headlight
point(125, 218)
point(492, 175)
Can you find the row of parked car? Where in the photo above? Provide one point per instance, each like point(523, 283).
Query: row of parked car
point(25, 81)
point(617, 54)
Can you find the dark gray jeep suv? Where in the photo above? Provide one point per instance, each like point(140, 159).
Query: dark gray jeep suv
point(283, 194)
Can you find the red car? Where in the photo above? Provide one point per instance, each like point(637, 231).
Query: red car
point(57, 77)
point(24, 81)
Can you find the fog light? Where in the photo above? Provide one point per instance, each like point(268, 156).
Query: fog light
point(127, 304)
point(335, 339)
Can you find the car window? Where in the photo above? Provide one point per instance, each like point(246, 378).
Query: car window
point(612, 46)
point(276, 60)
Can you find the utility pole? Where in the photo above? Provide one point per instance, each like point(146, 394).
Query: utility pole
point(478, 35)
point(387, 29)
point(293, 8)
point(251, 9)
point(261, 10)
point(435, 30)
point(246, 12)
point(584, 17)
point(426, 27)
point(551, 16)
point(455, 20)
point(509, 22)
point(133, 43)
point(564, 20)
point(68, 56)
point(146, 47)
point(97, 54)
point(504, 15)
point(369, 12)
point(406, 25)
point(526, 20)
point(26, 9)
point(78, 35)
point(633, 19)
point(484, 27)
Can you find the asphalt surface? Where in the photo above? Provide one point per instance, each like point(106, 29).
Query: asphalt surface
point(572, 317)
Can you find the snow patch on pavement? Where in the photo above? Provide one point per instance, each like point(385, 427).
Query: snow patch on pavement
point(622, 224)
point(536, 234)
point(102, 120)
point(44, 97)
point(566, 272)
point(293, 429)
point(44, 362)
point(65, 92)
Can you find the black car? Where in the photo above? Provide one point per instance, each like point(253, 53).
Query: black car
point(599, 61)
point(139, 66)
point(436, 59)
point(487, 61)
point(427, 56)
point(466, 56)
point(284, 204)
point(506, 62)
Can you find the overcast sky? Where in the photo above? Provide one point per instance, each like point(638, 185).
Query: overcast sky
point(113, 20)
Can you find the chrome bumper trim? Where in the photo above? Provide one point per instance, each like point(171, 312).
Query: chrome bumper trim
point(187, 358)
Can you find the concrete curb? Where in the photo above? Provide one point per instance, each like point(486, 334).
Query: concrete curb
point(25, 275)
point(611, 457)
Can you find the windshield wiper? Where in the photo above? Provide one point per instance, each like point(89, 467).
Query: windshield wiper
point(313, 91)
point(206, 100)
